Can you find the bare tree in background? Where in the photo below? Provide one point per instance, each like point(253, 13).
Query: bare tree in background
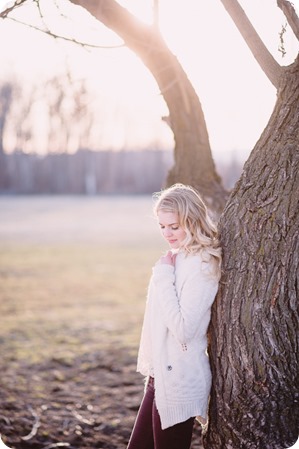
point(67, 102)
point(6, 94)
point(61, 101)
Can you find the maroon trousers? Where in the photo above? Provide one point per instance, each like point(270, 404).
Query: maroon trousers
point(147, 432)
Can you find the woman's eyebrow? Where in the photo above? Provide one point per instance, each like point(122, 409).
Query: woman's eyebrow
point(170, 224)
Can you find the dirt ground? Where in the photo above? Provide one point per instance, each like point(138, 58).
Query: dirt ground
point(90, 402)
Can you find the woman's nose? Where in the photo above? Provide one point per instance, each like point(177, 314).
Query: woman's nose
point(167, 232)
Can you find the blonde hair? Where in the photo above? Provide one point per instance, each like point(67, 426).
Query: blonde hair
point(202, 234)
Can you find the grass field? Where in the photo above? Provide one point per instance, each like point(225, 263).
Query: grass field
point(71, 267)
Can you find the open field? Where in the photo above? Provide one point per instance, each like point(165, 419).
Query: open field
point(73, 280)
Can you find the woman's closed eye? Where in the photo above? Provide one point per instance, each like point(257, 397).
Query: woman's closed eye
point(173, 228)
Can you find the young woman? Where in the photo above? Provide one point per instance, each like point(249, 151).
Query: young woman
point(172, 353)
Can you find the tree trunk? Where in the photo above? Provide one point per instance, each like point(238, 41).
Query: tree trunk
point(193, 158)
point(254, 326)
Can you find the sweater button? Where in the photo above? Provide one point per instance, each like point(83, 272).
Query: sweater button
point(169, 368)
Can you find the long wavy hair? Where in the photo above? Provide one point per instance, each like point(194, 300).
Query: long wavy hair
point(201, 231)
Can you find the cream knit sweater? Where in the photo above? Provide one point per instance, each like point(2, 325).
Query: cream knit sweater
point(173, 339)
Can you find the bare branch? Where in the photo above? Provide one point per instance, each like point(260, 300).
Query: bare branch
point(16, 4)
point(52, 446)
point(5, 419)
point(68, 39)
point(262, 55)
point(291, 16)
point(35, 427)
point(156, 14)
point(46, 29)
point(80, 418)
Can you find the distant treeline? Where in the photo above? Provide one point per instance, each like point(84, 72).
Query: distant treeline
point(90, 173)
point(85, 172)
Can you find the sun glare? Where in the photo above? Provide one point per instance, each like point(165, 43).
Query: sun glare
point(201, 35)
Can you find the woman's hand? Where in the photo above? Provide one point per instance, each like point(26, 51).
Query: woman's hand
point(169, 258)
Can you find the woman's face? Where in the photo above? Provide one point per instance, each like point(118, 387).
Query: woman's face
point(173, 233)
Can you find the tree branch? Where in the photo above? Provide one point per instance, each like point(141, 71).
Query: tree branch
point(144, 41)
point(46, 29)
point(16, 4)
point(156, 14)
point(65, 38)
point(186, 117)
point(291, 16)
point(268, 64)
point(35, 427)
point(54, 445)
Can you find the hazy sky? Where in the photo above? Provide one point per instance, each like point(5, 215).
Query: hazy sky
point(236, 96)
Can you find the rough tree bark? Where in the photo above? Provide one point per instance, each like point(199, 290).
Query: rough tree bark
point(254, 328)
point(193, 158)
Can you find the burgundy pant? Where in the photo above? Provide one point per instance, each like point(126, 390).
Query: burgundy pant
point(147, 432)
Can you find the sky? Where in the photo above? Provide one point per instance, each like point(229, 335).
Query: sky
point(237, 98)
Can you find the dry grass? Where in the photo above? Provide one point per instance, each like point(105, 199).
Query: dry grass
point(70, 292)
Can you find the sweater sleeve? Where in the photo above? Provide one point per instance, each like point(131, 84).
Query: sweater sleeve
point(188, 311)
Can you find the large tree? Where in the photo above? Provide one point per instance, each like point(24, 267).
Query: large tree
point(254, 332)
